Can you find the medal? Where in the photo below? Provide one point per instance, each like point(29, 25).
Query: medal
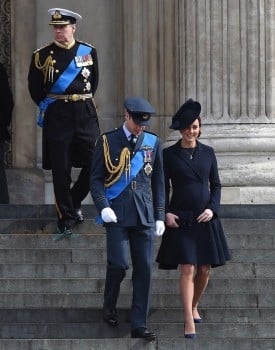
point(82, 61)
point(147, 159)
point(148, 169)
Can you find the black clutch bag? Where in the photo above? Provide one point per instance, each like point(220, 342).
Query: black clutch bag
point(185, 217)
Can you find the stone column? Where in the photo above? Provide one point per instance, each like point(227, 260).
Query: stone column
point(150, 29)
point(226, 61)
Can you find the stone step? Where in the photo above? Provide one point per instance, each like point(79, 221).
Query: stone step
point(30, 270)
point(48, 225)
point(86, 270)
point(174, 343)
point(159, 285)
point(101, 330)
point(70, 255)
point(160, 315)
point(78, 240)
point(94, 300)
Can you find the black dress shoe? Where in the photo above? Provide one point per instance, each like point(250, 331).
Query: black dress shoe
point(110, 317)
point(143, 332)
point(79, 217)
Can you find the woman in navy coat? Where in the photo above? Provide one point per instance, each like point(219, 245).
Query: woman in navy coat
point(194, 237)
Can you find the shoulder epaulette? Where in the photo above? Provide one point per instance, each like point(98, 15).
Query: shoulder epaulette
point(85, 43)
point(43, 47)
point(110, 132)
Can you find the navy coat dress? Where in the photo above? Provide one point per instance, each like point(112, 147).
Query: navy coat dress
point(196, 187)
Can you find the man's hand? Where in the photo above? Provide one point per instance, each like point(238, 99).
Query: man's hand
point(160, 228)
point(108, 215)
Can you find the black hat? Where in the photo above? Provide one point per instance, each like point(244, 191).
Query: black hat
point(140, 110)
point(186, 114)
point(62, 17)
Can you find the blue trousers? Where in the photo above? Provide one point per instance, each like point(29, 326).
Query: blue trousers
point(139, 240)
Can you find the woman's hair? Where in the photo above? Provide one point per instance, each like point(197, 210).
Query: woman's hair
point(199, 119)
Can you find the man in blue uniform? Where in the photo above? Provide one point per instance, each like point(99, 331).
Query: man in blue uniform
point(127, 186)
point(63, 79)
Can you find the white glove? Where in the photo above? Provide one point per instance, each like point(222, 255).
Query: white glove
point(160, 228)
point(108, 215)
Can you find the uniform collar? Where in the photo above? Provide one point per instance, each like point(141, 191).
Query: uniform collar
point(67, 47)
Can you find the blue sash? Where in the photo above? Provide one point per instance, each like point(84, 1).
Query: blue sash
point(136, 164)
point(61, 84)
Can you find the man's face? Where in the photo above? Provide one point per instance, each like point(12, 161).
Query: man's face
point(132, 126)
point(64, 34)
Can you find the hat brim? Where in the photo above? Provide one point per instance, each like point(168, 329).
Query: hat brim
point(141, 122)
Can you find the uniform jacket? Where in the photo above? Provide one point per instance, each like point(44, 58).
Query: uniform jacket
point(85, 82)
point(142, 202)
point(6, 104)
point(196, 181)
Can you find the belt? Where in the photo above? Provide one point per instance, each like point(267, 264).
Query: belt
point(73, 97)
point(134, 185)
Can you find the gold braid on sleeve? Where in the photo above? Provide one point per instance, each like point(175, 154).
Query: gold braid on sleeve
point(46, 68)
point(116, 171)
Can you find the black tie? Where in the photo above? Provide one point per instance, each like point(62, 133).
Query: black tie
point(133, 140)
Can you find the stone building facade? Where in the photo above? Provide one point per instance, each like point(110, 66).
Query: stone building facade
point(220, 52)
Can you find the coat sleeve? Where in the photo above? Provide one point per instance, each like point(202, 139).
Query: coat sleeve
point(36, 83)
point(95, 72)
point(98, 175)
point(215, 187)
point(157, 183)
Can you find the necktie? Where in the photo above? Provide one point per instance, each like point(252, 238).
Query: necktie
point(133, 140)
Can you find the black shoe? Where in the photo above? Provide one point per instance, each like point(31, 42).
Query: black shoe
point(79, 217)
point(143, 332)
point(64, 232)
point(110, 317)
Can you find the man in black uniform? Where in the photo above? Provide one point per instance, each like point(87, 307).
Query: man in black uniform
point(6, 107)
point(127, 186)
point(63, 78)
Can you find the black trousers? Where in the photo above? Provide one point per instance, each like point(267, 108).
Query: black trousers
point(70, 132)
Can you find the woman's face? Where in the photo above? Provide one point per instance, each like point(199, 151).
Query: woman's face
point(191, 133)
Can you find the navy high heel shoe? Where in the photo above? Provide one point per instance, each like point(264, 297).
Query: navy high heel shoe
point(198, 320)
point(189, 335)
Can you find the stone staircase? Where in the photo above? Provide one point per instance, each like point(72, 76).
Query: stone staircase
point(51, 292)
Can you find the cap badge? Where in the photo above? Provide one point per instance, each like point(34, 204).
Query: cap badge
point(57, 15)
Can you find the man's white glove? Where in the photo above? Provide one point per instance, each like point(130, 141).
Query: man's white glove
point(108, 215)
point(160, 228)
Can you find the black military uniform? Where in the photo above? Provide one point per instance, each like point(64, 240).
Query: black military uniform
point(127, 182)
point(6, 107)
point(62, 82)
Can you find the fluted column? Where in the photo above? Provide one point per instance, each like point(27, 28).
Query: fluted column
point(150, 51)
point(227, 62)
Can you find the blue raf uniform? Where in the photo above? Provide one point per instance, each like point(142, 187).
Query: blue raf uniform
point(127, 181)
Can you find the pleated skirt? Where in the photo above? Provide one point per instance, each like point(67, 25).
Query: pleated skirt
point(199, 244)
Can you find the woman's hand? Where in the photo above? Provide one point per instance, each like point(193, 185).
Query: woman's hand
point(171, 220)
point(205, 216)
